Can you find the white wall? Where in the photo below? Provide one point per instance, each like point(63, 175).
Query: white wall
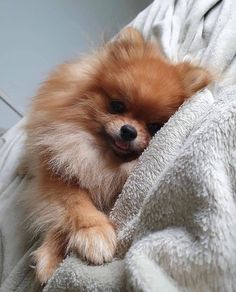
point(36, 35)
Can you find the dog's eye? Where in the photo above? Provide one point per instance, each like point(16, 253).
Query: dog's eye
point(153, 128)
point(117, 107)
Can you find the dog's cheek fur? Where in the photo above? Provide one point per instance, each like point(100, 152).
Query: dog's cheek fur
point(73, 154)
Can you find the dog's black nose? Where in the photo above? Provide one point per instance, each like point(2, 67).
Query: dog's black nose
point(128, 133)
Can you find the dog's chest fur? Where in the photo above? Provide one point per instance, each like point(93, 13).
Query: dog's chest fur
point(76, 156)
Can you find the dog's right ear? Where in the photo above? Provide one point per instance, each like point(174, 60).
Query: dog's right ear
point(132, 40)
point(128, 43)
point(130, 36)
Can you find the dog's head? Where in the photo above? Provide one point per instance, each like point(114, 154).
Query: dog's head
point(122, 95)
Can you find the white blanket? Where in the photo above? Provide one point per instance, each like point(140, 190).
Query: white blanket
point(176, 216)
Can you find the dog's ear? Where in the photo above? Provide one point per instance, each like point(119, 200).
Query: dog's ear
point(128, 43)
point(130, 36)
point(193, 77)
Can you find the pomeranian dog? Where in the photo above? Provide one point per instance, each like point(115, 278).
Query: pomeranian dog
point(87, 126)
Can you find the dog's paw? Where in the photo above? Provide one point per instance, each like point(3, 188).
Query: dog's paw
point(45, 263)
point(95, 244)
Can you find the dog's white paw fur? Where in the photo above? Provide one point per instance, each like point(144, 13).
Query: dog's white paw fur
point(95, 244)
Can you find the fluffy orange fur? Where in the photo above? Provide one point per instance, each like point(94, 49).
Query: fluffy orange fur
point(79, 160)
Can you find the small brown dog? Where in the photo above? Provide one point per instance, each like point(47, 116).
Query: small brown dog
point(88, 124)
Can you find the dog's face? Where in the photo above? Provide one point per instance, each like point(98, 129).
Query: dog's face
point(122, 95)
point(131, 102)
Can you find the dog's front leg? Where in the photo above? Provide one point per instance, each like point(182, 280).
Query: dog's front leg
point(75, 225)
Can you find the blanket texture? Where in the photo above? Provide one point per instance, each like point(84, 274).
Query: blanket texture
point(176, 215)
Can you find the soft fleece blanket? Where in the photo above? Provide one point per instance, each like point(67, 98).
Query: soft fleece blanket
point(176, 215)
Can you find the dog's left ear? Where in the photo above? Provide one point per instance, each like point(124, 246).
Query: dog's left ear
point(193, 77)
